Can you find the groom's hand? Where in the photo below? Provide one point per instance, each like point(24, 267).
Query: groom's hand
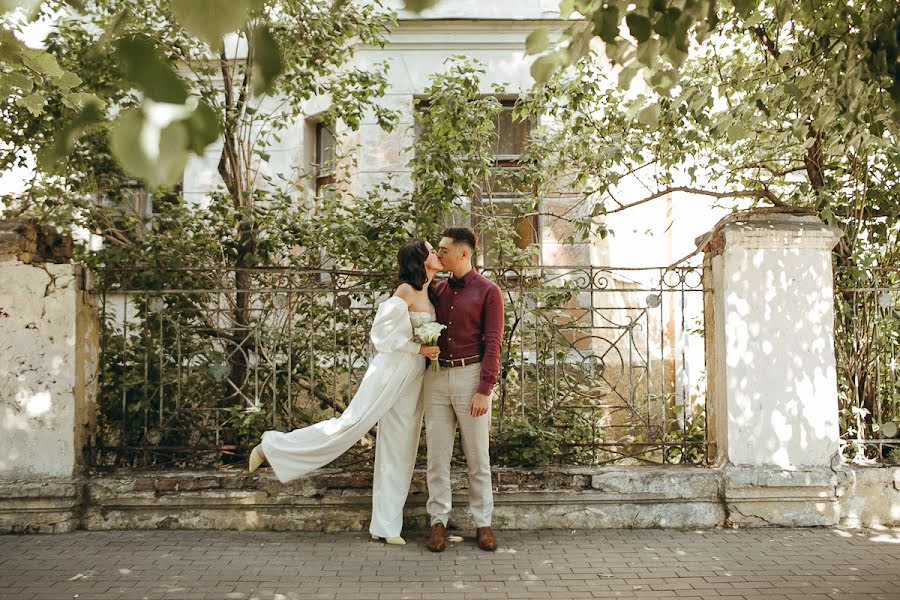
point(479, 405)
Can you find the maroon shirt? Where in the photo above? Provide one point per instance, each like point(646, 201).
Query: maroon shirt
point(472, 310)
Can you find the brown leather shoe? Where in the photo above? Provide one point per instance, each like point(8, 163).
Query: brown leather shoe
point(485, 539)
point(436, 541)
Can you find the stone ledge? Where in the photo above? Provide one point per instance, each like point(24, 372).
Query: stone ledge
point(759, 496)
point(40, 506)
point(334, 500)
point(582, 498)
point(771, 227)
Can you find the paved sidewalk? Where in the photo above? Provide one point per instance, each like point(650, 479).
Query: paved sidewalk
point(774, 564)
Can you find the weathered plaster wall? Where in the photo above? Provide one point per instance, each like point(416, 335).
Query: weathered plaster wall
point(48, 349)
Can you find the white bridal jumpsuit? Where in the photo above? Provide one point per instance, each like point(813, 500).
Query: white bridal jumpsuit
point(389, 394)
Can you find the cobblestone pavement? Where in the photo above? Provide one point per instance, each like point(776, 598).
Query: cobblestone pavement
point(806, 564)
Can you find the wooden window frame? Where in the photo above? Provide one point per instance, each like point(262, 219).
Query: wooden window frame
point(323, 178)
point(512, 162)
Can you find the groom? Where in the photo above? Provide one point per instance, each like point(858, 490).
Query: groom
point(459, 393)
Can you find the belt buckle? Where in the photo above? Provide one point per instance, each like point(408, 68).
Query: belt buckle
point(463, 363)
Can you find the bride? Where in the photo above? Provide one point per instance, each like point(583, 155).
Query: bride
point(389, 394)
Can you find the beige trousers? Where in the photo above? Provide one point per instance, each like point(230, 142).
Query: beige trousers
point(447, 395)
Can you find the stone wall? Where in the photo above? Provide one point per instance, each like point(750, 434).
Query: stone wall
point(772, 402)
point(332, 500)
point(548, 498)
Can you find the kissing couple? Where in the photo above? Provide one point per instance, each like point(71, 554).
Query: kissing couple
point(397, 389)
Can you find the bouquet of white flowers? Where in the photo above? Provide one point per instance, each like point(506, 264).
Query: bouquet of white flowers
point(428, 334)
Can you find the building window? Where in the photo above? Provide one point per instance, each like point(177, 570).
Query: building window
point(502, 203)
point(324, 161)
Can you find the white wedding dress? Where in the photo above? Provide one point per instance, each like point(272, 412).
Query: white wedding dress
point(390, 395)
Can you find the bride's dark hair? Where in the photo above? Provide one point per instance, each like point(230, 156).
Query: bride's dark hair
point(411, 259)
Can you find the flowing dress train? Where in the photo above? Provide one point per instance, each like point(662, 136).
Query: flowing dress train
point(390, 395)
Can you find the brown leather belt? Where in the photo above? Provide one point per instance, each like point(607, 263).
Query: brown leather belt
point(459, 362)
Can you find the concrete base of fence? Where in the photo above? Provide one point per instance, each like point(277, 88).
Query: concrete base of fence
point(870, 497)
point(41, 505)
point(576, 498)
point(756, 496)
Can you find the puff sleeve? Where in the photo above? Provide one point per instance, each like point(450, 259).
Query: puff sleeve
point(392, 330)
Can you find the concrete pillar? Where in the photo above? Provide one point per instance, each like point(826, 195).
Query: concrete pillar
point(49, 343)
point(772, 394)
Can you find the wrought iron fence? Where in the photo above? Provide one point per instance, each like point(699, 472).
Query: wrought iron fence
point(867, 338)
point(599, 365)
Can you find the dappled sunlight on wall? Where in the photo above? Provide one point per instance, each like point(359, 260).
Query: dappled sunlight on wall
point(772, 353)
point(43, 410)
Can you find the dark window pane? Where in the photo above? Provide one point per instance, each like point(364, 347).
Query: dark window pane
point(506, 182)
point(325, 146)
point(507, 219)
point(511, 135)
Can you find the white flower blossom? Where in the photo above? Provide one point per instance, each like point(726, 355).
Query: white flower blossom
point(428, 333)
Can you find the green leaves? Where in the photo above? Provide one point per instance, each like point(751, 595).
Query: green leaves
point(78, 100)
point(34, 74)
point(418, 5)
point(639, 26)
point(455, 149)
point(648, 52)
point(68, 80)
point(33, 102)
point(18, 80)
point(537, 41)
point(152, 142)
point(143, 65)
point(41, 62)
point(210, 20)
point(606, 23)
point(267, 62)
point(65, 138)
point(736, 132)
point(157, 155)
point(10, 5)
point(542, 68)
point(660, 28)
point(745, 7)
point(202, 127)
point(649, 115)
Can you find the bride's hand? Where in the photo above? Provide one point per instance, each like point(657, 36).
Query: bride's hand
point(431, 352)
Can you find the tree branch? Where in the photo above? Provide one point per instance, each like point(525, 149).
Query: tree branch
point(228, 168)
point(764, 194)
point(766, 41)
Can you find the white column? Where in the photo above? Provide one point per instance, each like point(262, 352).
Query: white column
point(48, 348)
point(772, 399)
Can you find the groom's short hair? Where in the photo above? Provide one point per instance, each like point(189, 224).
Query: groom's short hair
point(462, 235)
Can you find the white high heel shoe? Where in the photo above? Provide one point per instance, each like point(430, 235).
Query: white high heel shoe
point(394, 541)
point(256, 458)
